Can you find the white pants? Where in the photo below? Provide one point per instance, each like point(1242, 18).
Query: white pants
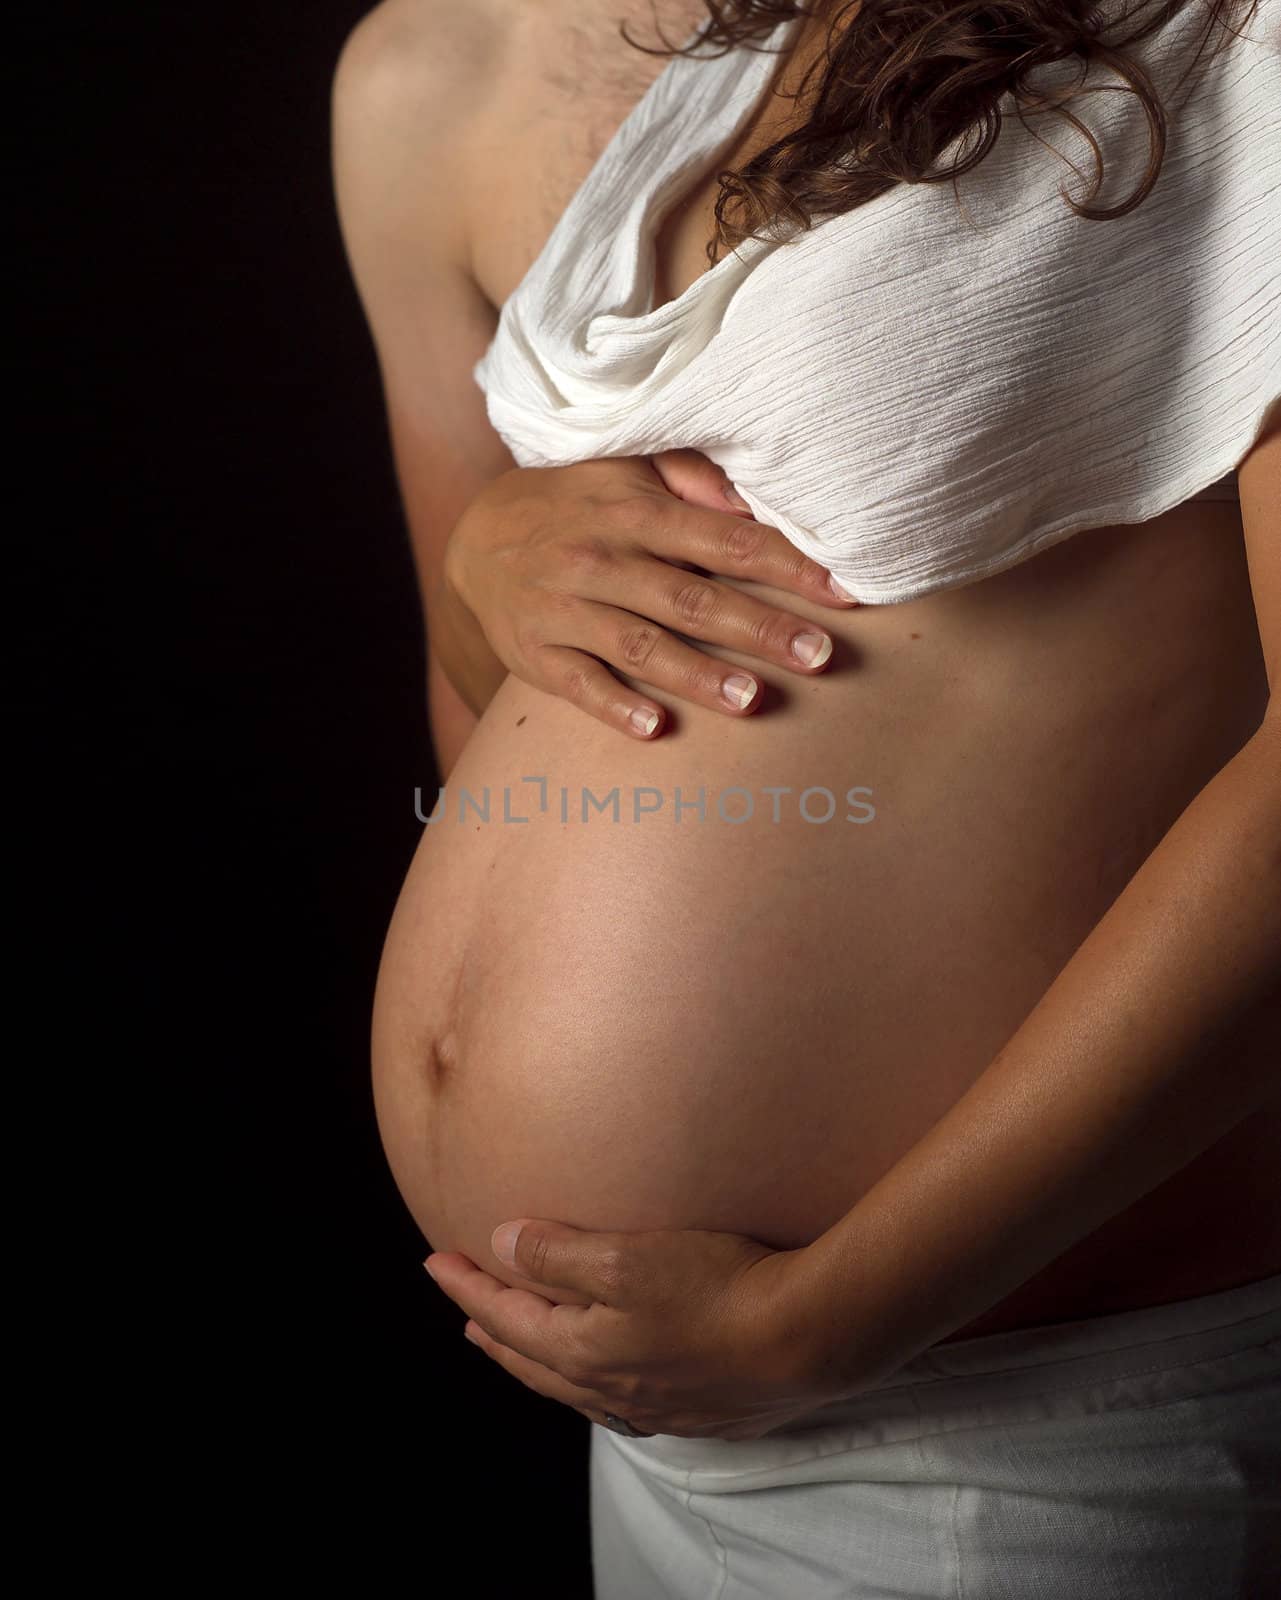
point(1134, 1456)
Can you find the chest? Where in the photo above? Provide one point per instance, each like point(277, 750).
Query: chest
point(562, 100)
point(579, 87)
point(684, 234)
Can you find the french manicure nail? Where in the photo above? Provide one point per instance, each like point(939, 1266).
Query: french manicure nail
point(735, 499)
point(811, 649)
point(841, 594)
point(738, 690)
point(644, 721)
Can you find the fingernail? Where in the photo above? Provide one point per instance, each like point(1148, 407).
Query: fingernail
point(470, 1333)
point(644, 722)
point(503, 1242)
point(736, 500)
point(841, 594)
point(811, 649)
point(431, 1271)
point(738, 690)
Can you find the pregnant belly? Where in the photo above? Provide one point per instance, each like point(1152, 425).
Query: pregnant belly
point(727, 980)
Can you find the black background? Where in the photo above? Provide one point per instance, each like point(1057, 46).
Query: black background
point(223, 567)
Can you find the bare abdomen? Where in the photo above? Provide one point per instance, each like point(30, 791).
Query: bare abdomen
point(661, 1018)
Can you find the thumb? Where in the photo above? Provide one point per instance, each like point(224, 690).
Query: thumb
point(692, 476)
point(562, 1256)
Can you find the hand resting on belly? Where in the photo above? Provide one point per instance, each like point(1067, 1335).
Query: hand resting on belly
point(568, 571)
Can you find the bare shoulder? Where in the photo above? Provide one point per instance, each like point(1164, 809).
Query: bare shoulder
point(458, 111)
point(412, 79)
point(411, 66)
point(403, 49)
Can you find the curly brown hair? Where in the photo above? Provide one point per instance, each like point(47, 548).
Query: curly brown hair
point(905, 79)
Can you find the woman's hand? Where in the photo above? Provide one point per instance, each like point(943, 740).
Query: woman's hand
point(570, 571)
point(686, 1332)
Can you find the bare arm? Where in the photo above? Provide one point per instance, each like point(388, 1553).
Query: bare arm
point(1133, 1063)
point(402, 109)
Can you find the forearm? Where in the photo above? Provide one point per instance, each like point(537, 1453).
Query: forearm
point(1112, 1084)
point(450, 721)
point(459, 645)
